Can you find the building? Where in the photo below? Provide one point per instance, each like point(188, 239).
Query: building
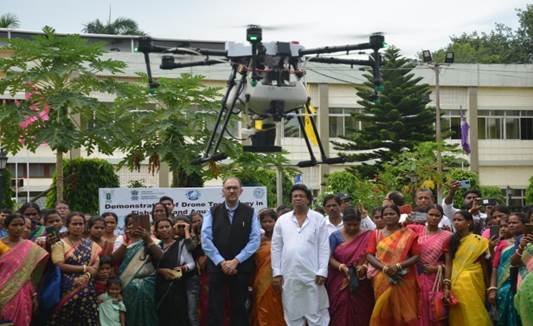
point(496, 99)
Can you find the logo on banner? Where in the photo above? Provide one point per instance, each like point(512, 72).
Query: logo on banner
point(259, 192)
point(192, 195)
point(108, 197)
point(134, 195)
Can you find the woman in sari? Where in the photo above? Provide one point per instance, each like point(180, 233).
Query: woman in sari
point(21, 263)
point(78, 261)
point(500, 292)
point(137, 256)
point(351, 298)
point(96, 231)
point(32, 211)
point(466, 273)
point(433, 243)
point(266, 307)
point(111, 223)
point(393, 252)
point(524, 297)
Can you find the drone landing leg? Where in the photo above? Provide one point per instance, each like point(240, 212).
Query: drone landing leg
point(312, 161)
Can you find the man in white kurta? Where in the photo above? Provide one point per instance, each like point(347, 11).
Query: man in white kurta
point(300, 256)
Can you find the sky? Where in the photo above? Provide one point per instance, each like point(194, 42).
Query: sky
point(411, 25)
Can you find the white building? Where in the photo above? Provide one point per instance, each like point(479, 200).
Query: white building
point(497, 100)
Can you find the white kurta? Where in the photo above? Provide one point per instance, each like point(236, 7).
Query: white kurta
point(299, 254)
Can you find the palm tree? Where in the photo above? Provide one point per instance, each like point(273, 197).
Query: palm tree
point(120, 26)
point(9, 21)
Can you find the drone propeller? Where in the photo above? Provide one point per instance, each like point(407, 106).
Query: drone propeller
point(275, 27)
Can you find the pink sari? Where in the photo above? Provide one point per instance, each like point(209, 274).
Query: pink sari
point(432, 247)
point(347, 308)
point(17, 266)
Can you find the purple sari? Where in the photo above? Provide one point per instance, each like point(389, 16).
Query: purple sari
point(345, 307)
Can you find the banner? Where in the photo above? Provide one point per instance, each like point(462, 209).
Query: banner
point(123, 201)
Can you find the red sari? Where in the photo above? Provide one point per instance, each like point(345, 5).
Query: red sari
point(396, 304)
point(347, 308)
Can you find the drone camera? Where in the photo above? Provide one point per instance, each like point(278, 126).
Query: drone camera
point(167, 62)
point(254, 34)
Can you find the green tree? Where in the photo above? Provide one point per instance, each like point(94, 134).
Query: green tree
point(398, 120)
point(460, 174)
point(83, 177)
point(57, 76)
point(119, 26)
point(529, 192)
point(5, 189)
point(492, 192)
point(366, 194)
point(166, 124)
point(9, 21)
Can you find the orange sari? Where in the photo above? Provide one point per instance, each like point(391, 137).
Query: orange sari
point(267, 309)
point(396, 304)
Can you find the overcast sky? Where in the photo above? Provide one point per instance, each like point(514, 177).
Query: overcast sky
point(411, 25)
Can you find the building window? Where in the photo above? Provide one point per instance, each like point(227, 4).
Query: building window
point(505, 124)
point(291, 127)
point(341, 122)
point(514, 198)
point(451, 123)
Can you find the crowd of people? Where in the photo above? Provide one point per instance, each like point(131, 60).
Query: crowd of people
point(337, 265)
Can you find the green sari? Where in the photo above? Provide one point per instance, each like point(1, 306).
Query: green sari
point(524, 297)
point(505, 305)
point(138, 281)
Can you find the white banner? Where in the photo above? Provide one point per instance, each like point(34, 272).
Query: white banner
point(123, 201)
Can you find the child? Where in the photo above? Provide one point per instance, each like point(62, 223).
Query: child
point(111, 309)
point(52, 221)
point(105, 272)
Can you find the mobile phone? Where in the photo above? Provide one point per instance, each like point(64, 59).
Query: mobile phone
point(529, 228)
point(142, 221)
point(494, 231)
point(490, 202)
point(52, 235)
point(465, 184)
point(419, 216)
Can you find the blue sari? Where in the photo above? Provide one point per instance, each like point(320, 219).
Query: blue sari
point(138, 281)
point(507, 314)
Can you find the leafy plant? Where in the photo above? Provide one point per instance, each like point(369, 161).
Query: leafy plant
point(529, 192)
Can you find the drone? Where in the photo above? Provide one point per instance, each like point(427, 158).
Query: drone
point(266, 85)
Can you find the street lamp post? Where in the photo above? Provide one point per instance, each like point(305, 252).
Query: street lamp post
point(3, 164)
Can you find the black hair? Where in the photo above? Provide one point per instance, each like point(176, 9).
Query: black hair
point(166, 198)
point(29, 205)
point(282, 209)
point(320, 210)
point(455, 242)
point(114, 281)
point(156, 224)
point(71, 215)
point(105, 214)
point(6, 211)
point(95, 219)
point(11, 217)
point(502, 209)
point(46, 214)
point(268, 212)
point(393, 207)
point(167, 213)
point(437, 207)
point(303, 188)
point(396, 197)
point(182, 218)
point(524, 219)
point(376, 209)
point(127, 219)
point(330, 197)
point(106, 260)
point(351, 214)
point(195, 213)
point(472, 191)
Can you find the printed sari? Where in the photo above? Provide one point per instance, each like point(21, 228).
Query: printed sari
point(507, 315)
point(138, 282)
point(468, 283)
point(78, 303)
point(396, 304)
point(524, 297)
point(432, 246)
point(266, 309)
point(347, 308)
point(20, 269)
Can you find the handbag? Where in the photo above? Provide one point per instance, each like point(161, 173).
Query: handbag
point(437, 311)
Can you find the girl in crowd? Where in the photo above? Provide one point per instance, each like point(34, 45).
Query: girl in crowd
point(377, 218)
point(351, 298)
point(21, 263)
point(499, 213)
point(393, 252)
point(33, 212)
point(53, 220)
point(159, 211)
point(433, 244)
point(111, 223)
point(201, 261)
point(174, 267)
point(266, 309)
point(499, 292)
point(96, 232)
point(466, 274)
point(105, 272)
point(523, 258)
point(111, 309)
point(78, 266)
point(137, 257)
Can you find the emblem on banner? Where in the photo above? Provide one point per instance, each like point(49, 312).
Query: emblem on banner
point(134, 195)
point(108, 197)
point(259, 192)
point(192, 195)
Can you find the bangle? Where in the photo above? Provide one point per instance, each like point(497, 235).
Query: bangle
point(340, 265)
point(385, 269)
point(399, 266)
point(518, 253)
point(88, 275)
point(492, 288)
point(84, 268)
point(446, 281)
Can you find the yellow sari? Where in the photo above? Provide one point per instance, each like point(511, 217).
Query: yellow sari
point(468, 283)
